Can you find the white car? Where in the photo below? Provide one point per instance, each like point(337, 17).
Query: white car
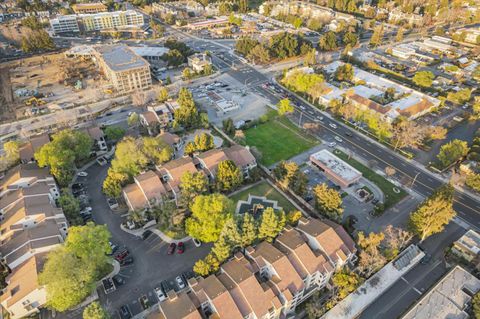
point(160, 294)
point(196, 242)
point(82, 174)
point(101, 161)
point(88, 209)
point(332, 144)
point(333, 125)
point(180, 282)
point(338, 139)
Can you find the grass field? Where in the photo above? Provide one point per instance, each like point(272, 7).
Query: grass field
point(264, 189)
point(391, 197)
point(277, 140)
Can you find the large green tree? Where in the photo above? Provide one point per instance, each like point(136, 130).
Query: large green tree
point(192, 185)
point(229, 176)
point(71, 208)
point(344, 72)
point(423, 78)
point(271, 224)
point(328, 201)
point(452, 151)
point(434, 213)
point(95, 311)
point(209, 214)
point(249, 230)
point(284, 106)
point(328, 41)
point(345, 282)
point(187, 114)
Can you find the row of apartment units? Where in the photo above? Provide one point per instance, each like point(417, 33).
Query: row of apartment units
point(151, 187)
point(269, 280)
point(31, 225)
point(76, 23)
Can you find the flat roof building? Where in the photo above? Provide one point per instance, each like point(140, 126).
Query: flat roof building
point(125, 70)
point(93, 7)
point(338, 171)
point(65, 24)
point(468, 246)
point(448, 299)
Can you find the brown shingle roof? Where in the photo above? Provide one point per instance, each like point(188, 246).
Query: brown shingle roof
point(28, 150)
point(135, 197)
point(212, 158)
point(94, 132)
point(149, 117)
point(419, 107)
point(30, 170)
point(12, 196)
point(23, 280)
point(179, 307)
point(369, 103)
point(151, 185)
point(176, 169)
point(240, 155)
point(169, 138)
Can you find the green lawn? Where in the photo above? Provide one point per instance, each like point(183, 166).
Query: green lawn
point(391, 198)
point(277, 140)
point(264, 189)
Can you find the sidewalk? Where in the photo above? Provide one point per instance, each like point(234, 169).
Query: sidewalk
point(139, 231)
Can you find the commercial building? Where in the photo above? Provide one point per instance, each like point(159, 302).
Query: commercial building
point(449, 298)
point(338, 171)
point(468, 246)
point(96, 22)
point(207, 24)
point(152, 54)
point(93, 7)
point(402, 52)
point(199, 61)
point(31, 226)
point(126, 71)
point(267, 282)
point(179, 9)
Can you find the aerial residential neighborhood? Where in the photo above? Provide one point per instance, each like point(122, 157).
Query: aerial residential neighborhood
point(256, 159)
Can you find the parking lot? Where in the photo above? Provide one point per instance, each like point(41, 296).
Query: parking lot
point(151, 265)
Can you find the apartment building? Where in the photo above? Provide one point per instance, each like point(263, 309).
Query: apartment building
point(97, 135)
point(96, 21)
point(28, 150)
point(31, 225)
point(170, 174)
point(65, 24)
point(93, 7)
point(158, 116)
point(126, 71)
point(267, 282)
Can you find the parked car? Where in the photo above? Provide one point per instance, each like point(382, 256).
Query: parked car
point(102, 161)
point(127, 261)
point(113, 247)
point(146, 234)
point(180, 282)
point(87, 209)
point(349, 134)
point(144, 302)
point(171, 248)
point(197, 242)
point(112, 203)
point(122, 254)
point(426, 259)
point(160, 294)
point(82, 174)
point(181, 248)
point(78, 186)
point(118, 280)
point(332, 144)
point(125, 312)
point(338, 139)
point(333, 125)
point(108, 285)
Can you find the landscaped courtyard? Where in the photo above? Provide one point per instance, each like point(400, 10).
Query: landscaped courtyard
point(278, 139)
point(264, 189)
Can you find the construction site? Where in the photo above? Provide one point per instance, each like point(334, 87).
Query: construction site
point(45, 84)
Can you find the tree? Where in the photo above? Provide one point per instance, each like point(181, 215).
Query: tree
point(345, 282)
point(207, 69)
point(452, 152)
point(423, 78)
point(370, 257)
point(192, 185)
point(344, 72)
point(163, 95)
point(112, 185)
point(114, 133)
point(129, 160)
point(290, 176)
point(209, 214)
point(71, 271)
point(245, 44)
point(436, 132)
point(407, 133)
point(243, 6)
point(133, 119)
point(473, 181)
point(434, 213)
point(186, 74)
point(377, 36)
point(229, 176)
point(225, 8)
point(11, 156)
point(60, 155)
point(156, 150)
point(71, 208)
point(328, 41)
point(350, 38)
point(221, 249)
point(297, 22)
point(460, 97)
point(187, 113)
point(236, 20)
point(259, 53)
point(228, 127)
point(231, 234)
point(248, 230)
point(95, 311)
point(476, 305)
point(399, 36)
point(204, 142)
point(328, 201)
point(284, 106)
point(395, 240)
point(201, 268)
point(293, 217)
point(310, 57)
point(271, 224)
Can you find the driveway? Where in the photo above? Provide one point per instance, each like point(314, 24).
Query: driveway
point(151, 262)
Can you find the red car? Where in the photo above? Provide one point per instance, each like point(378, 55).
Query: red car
point(181, 248)
point(121, 255)
point(171, 248)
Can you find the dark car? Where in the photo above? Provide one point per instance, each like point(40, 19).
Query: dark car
point(146, 234)
point(171, 248)
point(118, 280)
point(125, 312)
point(181, 248)
point(121, 254)
point(426, 259)
point(78, 186)
point(144, 302)
point(349, 134)
point(127, 261)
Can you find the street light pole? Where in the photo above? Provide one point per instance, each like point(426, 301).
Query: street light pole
point(414, 179)
point(300, 120)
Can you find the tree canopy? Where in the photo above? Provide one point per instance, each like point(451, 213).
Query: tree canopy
point(423, 78)
point(284, 106)
point(328, 201)
point(229, 176)
point(187, 114)
point(452, 151)
point(95, 311)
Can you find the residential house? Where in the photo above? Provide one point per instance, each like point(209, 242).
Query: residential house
point(28, 150)
point(179, 306)
point(242, 157)
point(98, 137)
point(173, 171)
point(38, 189)
point(25, 176)
point(173, 140)
point(210, 159)
point(146, 192)
point(23, 295)
point(158, 117)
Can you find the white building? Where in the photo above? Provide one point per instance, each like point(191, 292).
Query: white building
point(65, 24)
